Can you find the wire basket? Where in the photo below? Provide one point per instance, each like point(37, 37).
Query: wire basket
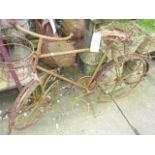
point(21, 52)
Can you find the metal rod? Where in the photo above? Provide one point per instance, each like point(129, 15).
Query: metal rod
point(97, 69)
point(61, 77)
point(43, 36)
point(38, 52)
point(64, 53)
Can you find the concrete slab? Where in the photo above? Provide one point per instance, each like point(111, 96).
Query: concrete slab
point(72, 116)
point(6, 100)
point(63, 119)
point(139, 107)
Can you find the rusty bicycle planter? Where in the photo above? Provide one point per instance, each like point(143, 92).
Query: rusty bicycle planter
point(108, 78)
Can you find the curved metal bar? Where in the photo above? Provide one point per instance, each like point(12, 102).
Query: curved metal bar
point(43, 36)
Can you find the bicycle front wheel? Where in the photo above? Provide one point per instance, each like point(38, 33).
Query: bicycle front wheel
point(132, 69)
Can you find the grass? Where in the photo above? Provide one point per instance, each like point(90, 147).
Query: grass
point(147, 24)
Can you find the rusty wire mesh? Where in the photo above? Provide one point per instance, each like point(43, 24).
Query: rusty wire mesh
point(21, 57)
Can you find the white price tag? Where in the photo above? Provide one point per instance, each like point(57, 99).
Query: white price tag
point(95, 42)
point(53, 25)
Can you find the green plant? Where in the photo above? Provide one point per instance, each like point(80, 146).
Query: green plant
point(147, 24)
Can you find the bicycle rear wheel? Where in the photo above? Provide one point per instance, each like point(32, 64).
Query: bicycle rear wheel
point(33, 101)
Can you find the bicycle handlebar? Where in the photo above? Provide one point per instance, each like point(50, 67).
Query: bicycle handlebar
point(19, 27)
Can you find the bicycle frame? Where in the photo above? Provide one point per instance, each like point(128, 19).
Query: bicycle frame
point(38, 55)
